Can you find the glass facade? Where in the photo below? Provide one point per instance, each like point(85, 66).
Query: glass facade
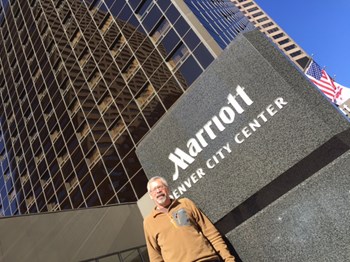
point(222, 19)
point(81, 83)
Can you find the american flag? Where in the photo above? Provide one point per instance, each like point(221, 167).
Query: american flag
point(323, 81)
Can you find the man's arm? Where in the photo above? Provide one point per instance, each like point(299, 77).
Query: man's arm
point(211, 233)
point(153, 249)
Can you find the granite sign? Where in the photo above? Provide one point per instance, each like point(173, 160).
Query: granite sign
point(247, 132)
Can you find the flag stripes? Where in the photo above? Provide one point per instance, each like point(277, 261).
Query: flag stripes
point(323, 81)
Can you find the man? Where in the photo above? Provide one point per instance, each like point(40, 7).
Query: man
point(177, 230)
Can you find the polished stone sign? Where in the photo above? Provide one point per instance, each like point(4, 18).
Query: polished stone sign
point(248, 131)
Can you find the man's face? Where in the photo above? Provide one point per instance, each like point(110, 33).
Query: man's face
point(159, 193)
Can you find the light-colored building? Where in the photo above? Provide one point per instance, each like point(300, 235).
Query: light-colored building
point(269, 27)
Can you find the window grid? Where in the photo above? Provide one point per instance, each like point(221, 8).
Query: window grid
point(77, 136)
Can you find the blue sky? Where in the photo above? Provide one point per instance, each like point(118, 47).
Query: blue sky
point(320, 27)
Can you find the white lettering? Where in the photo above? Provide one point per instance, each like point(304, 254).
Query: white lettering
point(271, 110)
point(200, 172)
point(254, 125)
point(246, 132)
point(188, 183)
point(200, 138)
point(216, 160)
point(227, 115)
point(227, 148)
point(182, 189)
point(176, 194)
point(193, 147)
point(243, 95)
point(180, 161)
point(238, 140)
point(209, 130)
point(218, 124)
point(220, 153)
point(209, 164)
point(261, 115)
point(280, 102)
point(194, 178)
point(196, 144)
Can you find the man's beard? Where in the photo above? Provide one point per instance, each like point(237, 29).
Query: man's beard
point(161, 200)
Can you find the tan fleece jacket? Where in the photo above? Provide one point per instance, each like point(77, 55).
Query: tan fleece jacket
point(182, 235)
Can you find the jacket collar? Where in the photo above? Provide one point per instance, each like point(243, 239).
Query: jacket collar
point(173, 204)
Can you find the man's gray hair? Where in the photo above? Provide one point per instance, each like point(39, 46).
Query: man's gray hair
point(156, 178)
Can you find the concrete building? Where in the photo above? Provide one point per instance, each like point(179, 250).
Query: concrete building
point(265, 24)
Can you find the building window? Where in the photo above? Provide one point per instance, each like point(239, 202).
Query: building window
point(94, 6)
point(267, 25)
point(117, 128)
point(71, 183)
point(262, 19)
point(295, 53)
point(191, 40)
point(270, 31)
point(131, 68)
point(278, 36)
point(105, 103)
point(30, 201)
point(94, 78)
point(143, 7)
point(190, 70)
point(161, 29)
point(248, 4)
point(203, 56)
point(76, 37)
point(257, 14)
point(117, 45)
point(253, 9)
point(66, 20)
point(108, 19)
point(285, 41)
point(152, 18)
point(85, 55)
point(145, 95)
point(180, 53)
point(181, 26)
point(290, 47)
point(169, 42)
point(172, 14)
point(12, 195)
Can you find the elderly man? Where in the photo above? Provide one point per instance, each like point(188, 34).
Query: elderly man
point(177, 230)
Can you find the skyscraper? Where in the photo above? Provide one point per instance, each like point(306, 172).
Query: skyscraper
point(266, 25)
point(81, 83)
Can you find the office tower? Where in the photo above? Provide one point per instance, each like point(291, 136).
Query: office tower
point(266, 25)
point(221, 19)
point(82, 82)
